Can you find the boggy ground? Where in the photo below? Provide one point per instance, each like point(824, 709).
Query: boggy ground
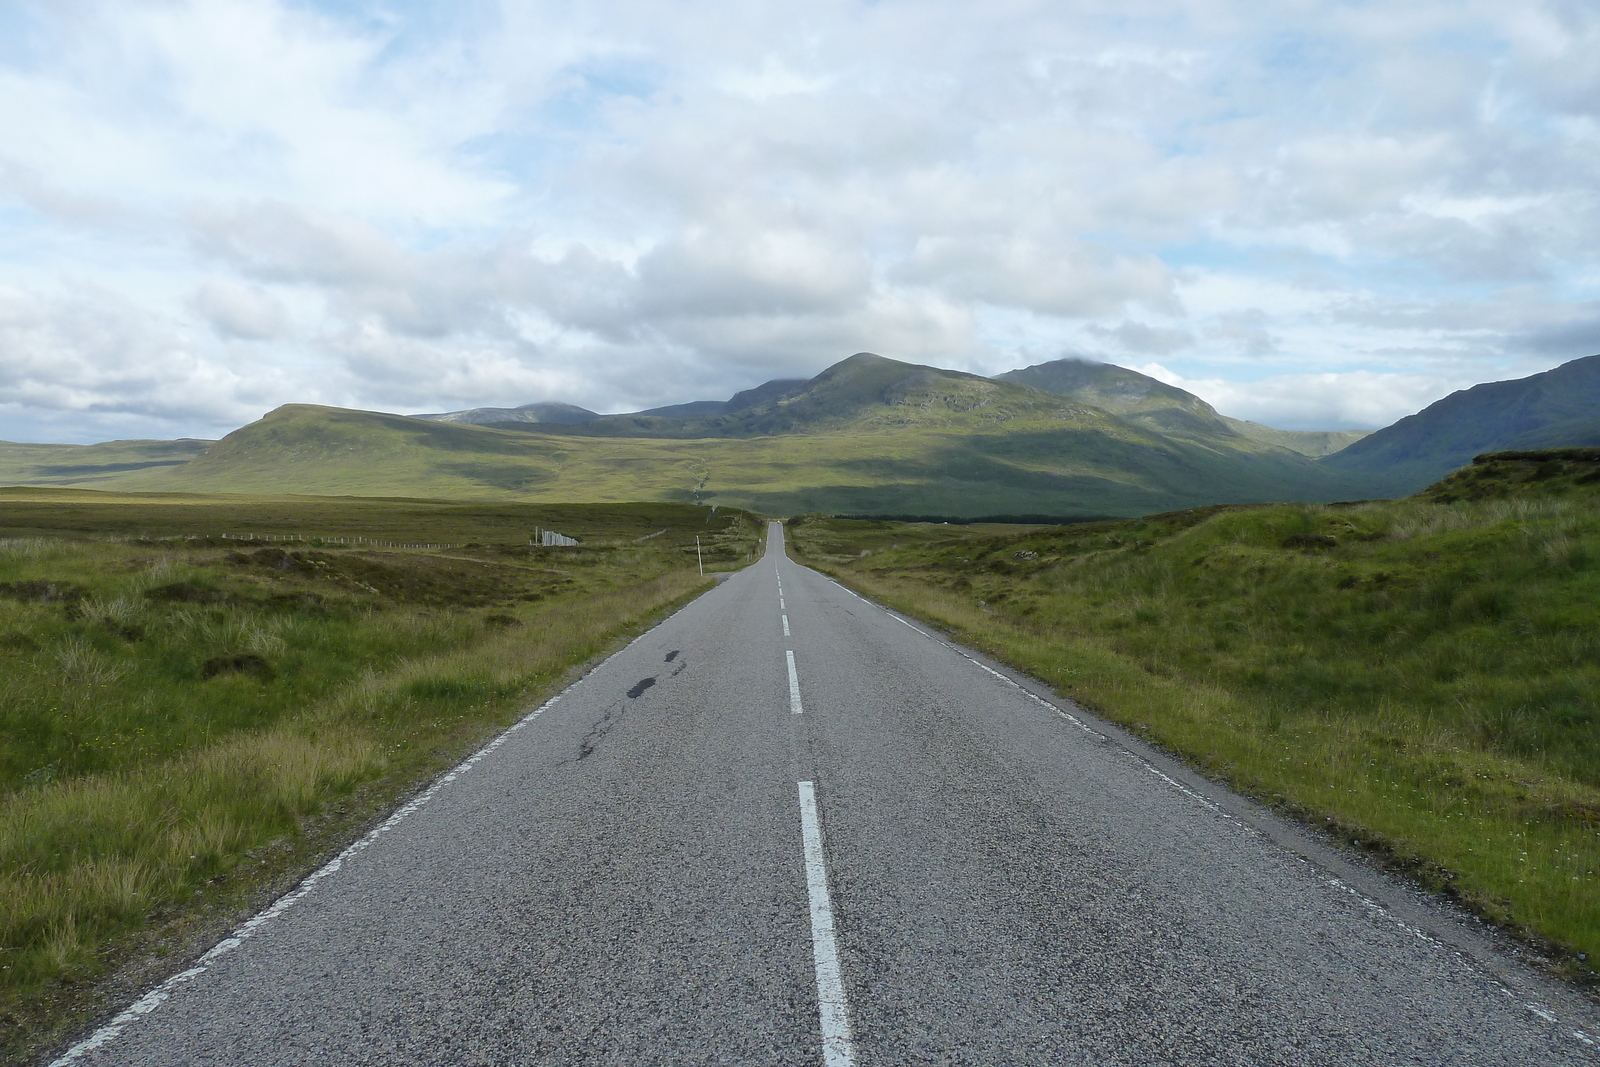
point(187, 723)
point(1419, 677)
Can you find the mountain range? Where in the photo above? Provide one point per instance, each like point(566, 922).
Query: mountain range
point(869, 435)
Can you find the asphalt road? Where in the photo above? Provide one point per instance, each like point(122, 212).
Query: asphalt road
point(788, 827)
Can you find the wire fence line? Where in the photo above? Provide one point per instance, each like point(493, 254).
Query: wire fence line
point(541, 538)
point(341, 540)
point(258, 538)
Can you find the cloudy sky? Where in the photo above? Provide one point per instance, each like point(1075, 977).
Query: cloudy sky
point(1315, 215)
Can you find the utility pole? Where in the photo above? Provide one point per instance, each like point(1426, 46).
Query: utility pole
point(698, 558)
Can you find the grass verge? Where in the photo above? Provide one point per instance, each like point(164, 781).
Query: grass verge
point(1418, 677)
point(188, 726)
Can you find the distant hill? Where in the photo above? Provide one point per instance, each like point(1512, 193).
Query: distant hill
point(1154, 404)
point(777, 389)
point(1554, 409)
point(527, 413)
point(863, 392)
point(1139, 398)
point(1313, 443)
point(867, 435)
point(568, 414)
point(87, 466)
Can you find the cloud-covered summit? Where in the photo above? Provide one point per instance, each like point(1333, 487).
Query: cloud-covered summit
point(1315, 215)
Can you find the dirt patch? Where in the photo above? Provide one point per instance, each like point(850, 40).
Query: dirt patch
point(241, 663)
point(17, 641)
point(42, 591)
point(186, 593)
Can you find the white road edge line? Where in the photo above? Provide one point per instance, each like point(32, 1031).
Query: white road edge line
point(794, 684)
point(163, 992)
point(897, 618)
point(786, 626)
point(833, 1010)
point(1333, 881)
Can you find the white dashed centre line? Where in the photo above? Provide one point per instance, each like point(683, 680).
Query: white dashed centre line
point(794, 685)
point(838, 1048)
point(786, 626)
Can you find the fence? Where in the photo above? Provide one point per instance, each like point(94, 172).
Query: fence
point(543, 538)
point(339, 540)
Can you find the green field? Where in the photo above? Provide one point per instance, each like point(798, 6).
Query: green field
point(1419, 677)
point(190, 722)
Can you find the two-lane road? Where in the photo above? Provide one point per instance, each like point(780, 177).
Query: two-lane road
point(786, 826)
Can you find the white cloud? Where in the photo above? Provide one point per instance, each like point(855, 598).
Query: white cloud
point(247, 312)
point(92, 359)
point(1319, 211)
point(1354, 400)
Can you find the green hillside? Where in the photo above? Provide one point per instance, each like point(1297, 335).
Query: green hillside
point(869, 435)
point(1559, 407)
point(1136, 397)
point(1166, 409)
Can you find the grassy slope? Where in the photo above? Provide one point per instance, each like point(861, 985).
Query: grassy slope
point(1419, 676)
point(186, 723)
point(880, 439)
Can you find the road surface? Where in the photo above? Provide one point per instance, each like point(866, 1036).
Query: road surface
point(789, 827)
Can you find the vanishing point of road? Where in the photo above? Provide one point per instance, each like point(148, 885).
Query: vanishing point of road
point(787, 826)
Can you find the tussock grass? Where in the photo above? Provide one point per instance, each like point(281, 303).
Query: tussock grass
point(185, 721)
point(1419, 677)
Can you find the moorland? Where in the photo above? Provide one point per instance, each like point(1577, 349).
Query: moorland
point(201, 697)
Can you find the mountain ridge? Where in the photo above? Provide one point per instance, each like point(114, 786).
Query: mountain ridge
point(868, 434)
point(539, 413)
point(1557, 407)
point(1136, 397)
point(1165, 408)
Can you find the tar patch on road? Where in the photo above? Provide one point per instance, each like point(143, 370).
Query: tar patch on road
point(598, 731)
